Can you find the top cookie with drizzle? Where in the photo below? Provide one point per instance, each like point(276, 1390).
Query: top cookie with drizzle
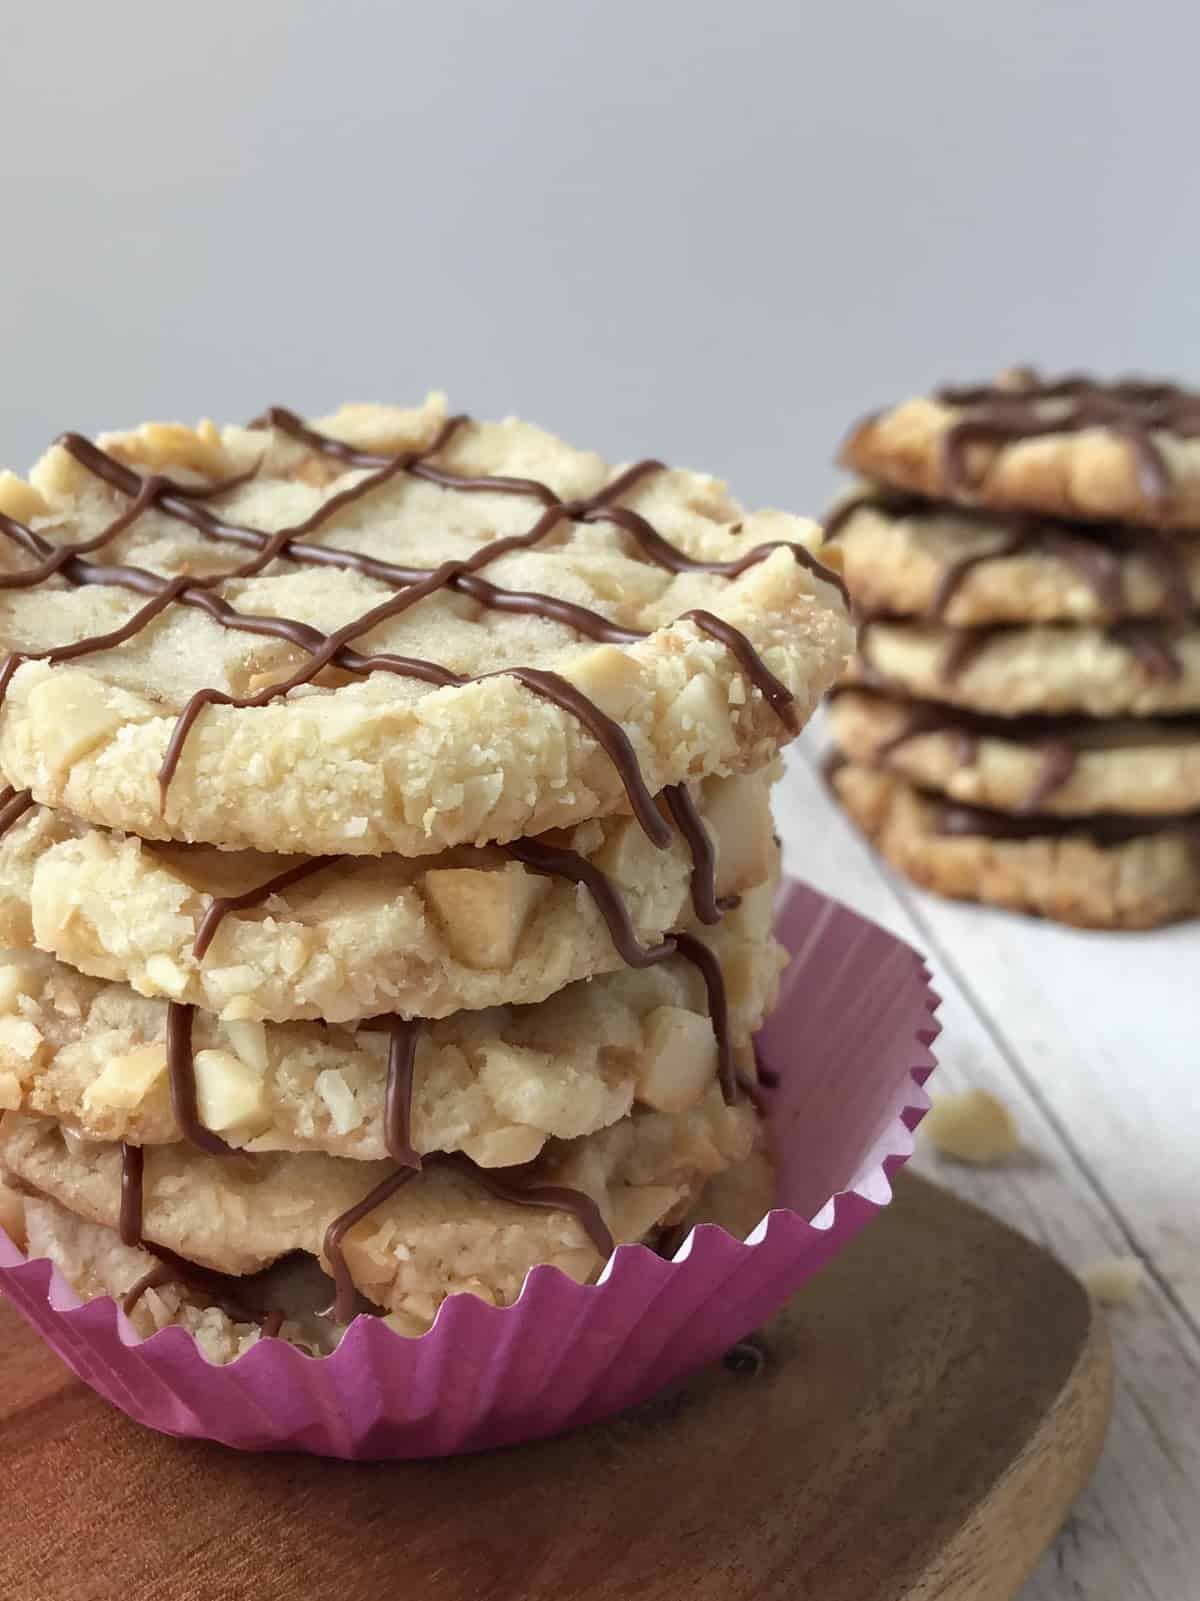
point(1072, 447)
point(391, 631)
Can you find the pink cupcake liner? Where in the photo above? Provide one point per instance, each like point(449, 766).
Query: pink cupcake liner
point(850, 1041)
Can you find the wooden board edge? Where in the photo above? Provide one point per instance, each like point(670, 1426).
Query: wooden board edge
point(997, 1547)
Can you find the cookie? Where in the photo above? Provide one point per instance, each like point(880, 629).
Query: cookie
point(352, 937)
point(1072, 448)
point(403, 1239)
point(914, 558)
point(224, 1316)
point(1107, 872)
point(1070, 767)
point(290, 1301)
point(496, 1084)
point(1139, 668)
point(396, 632)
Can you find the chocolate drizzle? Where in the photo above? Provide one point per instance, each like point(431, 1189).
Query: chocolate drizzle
point(324, 650)
point(1151, 644)
point(753, 1090)
point(778, 696)
point(1103, 828)
point(335, 1235)
point(403, 1034)
point(222, 905)
point(1152, 649)
point(965, 648)
point(1094, 550)
point(608, 734)
point(226, 1290)
point(161, 1273)
point(709, 968)
point(1032, 408)
point(926, 718)
point(1058, 761)
point(133, 1169)
point(181, 1073)
point(14, 803)
point(561, 863)
point(520, 1187)
point(1058, 741)
point(842, 515)
point(1099, 567)
point(1058, 756)
point(1163, 554)
point(595, 508)
point(704, 860)
point(554, 862)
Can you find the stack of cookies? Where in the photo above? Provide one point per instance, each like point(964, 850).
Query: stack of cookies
point(387, 867)
point(1021, 723)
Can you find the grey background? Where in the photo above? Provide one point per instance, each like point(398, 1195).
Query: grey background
point(710, 231)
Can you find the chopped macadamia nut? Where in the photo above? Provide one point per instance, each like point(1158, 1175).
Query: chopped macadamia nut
point(974, 1127)
point(1115, 1281)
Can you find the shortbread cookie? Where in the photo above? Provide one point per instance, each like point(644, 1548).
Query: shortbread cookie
point(472, 927)
point(226, 1316)
point(1070, 767)
point(1137, 667)
point(1071, 448)
point(1108, 872)
point(495, 1083)
point(912, 557)
point(359, 645)
point(450, 1227)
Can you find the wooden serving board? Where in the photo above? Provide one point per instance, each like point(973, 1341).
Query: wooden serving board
point(930, 1406)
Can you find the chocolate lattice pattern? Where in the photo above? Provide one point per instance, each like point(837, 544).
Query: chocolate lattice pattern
point(70, 563)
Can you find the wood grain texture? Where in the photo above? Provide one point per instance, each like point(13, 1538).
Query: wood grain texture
point(1090, 1040)
point(929, 1408)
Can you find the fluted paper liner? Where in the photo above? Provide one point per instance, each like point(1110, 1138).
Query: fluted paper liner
point(850, 1041)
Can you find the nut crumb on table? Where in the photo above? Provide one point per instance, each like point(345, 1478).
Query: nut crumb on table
point(975, 1127)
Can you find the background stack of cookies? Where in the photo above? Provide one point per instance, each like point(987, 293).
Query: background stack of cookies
point(387, 869)
point(1020, 723)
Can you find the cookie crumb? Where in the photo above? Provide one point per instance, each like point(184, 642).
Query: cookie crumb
point(974, 1127)
point(1113, 1281)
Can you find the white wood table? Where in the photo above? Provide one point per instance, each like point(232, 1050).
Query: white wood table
point(1093, 1042)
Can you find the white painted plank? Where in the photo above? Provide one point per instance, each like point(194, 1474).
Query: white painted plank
point(1107, 1029)
point(1133, 1533)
